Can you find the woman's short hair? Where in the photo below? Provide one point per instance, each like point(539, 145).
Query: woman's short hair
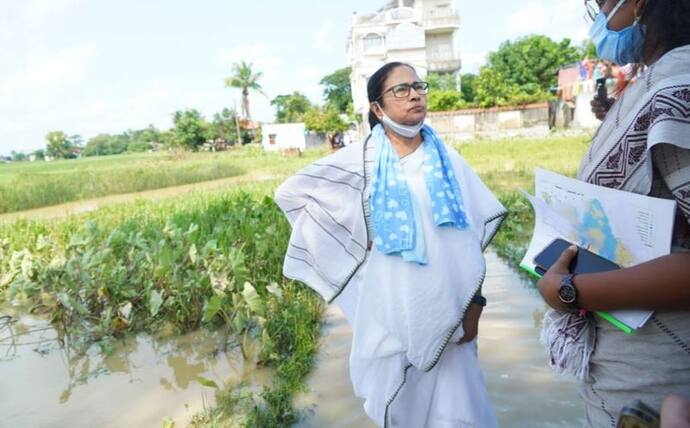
point(375, 86)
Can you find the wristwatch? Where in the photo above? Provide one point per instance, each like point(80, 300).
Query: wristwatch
point(567, 291)
point(479, 299)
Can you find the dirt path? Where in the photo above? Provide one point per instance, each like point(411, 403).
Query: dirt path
point(77, 207)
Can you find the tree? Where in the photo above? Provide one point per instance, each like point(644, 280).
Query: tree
point(76, 140)
point(291, 108)
point(441, 82)
point(40, 154)
point(18, 156)
point(224, 126)
point(58, 145)
point(338, 90)
point(245, 78)
point(191, 130)
point(106, 144)
point(447, 100)
point(588, 50)
point(324, 120)
point(494, 89)
point(468, 87)
point(532, 62)
point(141, 140)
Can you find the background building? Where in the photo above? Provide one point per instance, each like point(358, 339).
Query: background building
point(423, 33)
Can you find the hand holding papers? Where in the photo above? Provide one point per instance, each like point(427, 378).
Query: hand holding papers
point(622, 227)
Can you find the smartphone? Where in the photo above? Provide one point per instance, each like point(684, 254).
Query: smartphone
point(602, 92)
point(638, 415)
point(584, 262)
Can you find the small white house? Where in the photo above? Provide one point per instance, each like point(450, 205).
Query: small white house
point(283, 136)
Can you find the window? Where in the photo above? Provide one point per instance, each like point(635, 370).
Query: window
point(372, 41)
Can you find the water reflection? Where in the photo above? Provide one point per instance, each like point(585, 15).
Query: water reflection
point(513, 361)
point(142, 382)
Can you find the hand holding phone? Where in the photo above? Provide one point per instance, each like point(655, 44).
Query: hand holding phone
point(602, 92)
point(584, 262)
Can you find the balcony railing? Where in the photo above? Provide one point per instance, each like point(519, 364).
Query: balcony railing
point(441, 21)
point(443, 62)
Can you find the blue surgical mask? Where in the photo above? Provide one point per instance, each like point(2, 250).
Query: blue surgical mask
point(621, 47)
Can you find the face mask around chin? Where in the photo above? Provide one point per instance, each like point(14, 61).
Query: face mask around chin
point(407, 131)
point(621, 47)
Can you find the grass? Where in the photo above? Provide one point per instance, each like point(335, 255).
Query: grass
point(507, 166)
point(214, 259)
point(28, 185)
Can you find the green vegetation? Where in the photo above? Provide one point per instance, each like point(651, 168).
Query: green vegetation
point(211, 260)
point(60, 146)
point(32, 185)
point(133, 141)
point(246, 79)
point(191, 130)
point(507, 166)
point(214, 260)
point(337, 90)
point(519, 72)
point(326, 119)
point(291, 108)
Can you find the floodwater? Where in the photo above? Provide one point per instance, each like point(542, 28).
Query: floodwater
point(144, 382)
point(524, 391)
point(149, 379)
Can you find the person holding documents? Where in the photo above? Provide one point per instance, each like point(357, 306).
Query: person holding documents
point(393, 230)
point(642, 146)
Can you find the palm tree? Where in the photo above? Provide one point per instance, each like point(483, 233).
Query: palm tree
point(244, 78)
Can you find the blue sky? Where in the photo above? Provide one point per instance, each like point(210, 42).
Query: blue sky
point(93, 66)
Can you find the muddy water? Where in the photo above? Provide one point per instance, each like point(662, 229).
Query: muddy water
point(148, 379)
point(145, 381)
point(524, 391)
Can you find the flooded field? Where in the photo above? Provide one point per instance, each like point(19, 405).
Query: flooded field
point(145, 381)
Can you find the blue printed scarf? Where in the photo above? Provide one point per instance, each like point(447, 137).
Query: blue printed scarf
point(394, 213)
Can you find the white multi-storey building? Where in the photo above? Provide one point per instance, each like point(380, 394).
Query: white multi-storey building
point(423, 33)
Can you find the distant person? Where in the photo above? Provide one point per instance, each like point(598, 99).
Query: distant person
point(642, 146)
point(393, 230)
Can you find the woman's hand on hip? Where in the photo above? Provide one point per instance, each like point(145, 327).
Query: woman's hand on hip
point(470, 323)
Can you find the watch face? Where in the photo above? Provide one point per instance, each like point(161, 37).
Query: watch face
point(567, 293)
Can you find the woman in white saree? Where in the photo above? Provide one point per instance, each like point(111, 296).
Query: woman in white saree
point(643, 146)
point(393, 230)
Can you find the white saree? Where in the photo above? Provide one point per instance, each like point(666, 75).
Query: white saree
point(406, 317)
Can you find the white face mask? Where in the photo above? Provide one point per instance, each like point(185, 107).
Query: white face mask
point(407, 131)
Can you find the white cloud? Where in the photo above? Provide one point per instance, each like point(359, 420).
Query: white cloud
point(555, 18)
point(257, 54)
point(322, 39)
point(37, 10)
point(473, 61)
point(530, 19)
point(44, 69)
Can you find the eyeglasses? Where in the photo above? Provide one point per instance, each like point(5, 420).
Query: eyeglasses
point(593, 7)
point(403, 89)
